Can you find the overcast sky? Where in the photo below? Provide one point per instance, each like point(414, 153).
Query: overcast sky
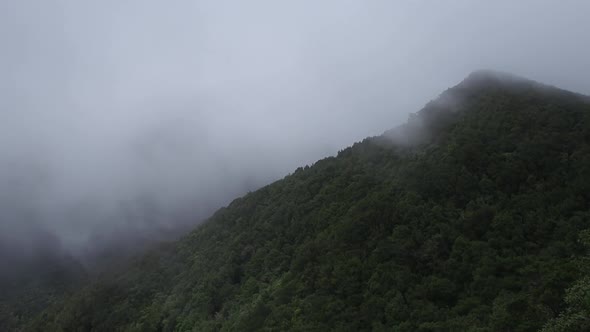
point(128, 113)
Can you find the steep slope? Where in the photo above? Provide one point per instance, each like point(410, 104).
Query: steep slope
point(466, 218)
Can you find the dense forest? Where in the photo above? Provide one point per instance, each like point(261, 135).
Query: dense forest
point(470, 217)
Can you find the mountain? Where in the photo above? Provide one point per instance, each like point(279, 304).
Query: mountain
point(466, 218)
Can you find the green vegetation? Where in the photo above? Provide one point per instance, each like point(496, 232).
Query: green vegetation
point(29, 287)
point(470, 223)
point(577, 315)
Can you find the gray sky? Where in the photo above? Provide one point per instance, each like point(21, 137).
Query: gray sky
point(127, 113)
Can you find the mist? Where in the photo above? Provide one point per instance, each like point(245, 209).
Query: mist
point(132, 119)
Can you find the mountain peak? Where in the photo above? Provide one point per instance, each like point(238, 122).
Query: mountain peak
point(491, 74)
point(486, 78)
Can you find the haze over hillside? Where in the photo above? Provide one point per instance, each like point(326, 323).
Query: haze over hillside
point(472, 216)
point(124, 124)
point(121, 120)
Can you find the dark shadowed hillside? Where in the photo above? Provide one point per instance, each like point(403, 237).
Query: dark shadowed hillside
point(28, 284)
point(467, 218)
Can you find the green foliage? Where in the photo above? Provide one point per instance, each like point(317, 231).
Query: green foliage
point(577, 315)
point(29, 287)
point(472, 227)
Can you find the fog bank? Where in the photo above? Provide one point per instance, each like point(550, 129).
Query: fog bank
point(129, 118)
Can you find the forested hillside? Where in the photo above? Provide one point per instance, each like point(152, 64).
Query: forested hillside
point(467, 218)
point(30, 281)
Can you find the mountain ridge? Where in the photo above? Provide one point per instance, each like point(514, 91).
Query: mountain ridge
point(470, 223)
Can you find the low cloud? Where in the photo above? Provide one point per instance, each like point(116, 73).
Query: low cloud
point(135, 118)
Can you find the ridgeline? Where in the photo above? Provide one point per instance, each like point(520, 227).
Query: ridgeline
point(467, 218)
